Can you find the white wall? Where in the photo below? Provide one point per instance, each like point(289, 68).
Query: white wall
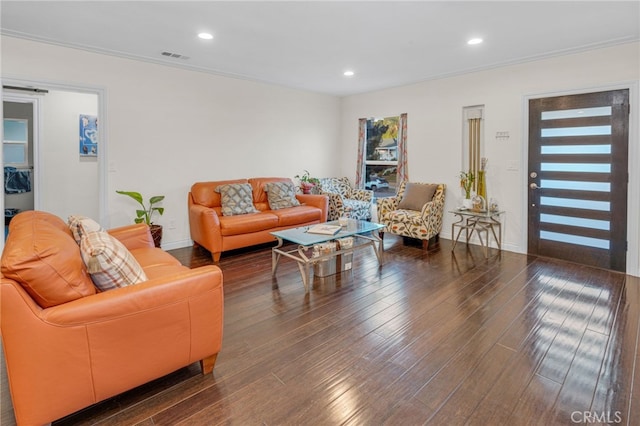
point(68, 184)
point(435, 126)
point(167, 128)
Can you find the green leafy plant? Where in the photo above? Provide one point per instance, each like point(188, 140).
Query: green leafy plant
point(145, 214)
point(466, 182)
point(306, 177)
point(307, 183)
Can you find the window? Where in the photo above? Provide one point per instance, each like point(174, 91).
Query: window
point(381, 155)
point(15, 142)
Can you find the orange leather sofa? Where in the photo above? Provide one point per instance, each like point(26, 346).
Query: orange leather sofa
point(62, 357)
point(218, 233)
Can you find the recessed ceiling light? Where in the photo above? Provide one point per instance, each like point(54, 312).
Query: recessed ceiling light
point(205, 36)
point(475, 41)
point(349, 73)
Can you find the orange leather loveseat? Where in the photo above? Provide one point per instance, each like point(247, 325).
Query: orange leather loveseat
point(68, 345)
point(218, 233)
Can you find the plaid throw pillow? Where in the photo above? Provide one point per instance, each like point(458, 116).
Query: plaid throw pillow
point(281, 195)
point(236, 198)
point(81, 225)
point(109, 262)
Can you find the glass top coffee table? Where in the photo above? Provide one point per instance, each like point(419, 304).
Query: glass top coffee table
point(364, 232)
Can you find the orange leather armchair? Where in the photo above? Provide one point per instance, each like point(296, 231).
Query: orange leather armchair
point(65, 357)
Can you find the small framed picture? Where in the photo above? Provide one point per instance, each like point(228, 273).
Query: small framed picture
point(88, 135)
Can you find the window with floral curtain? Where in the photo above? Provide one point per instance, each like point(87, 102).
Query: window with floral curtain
point(382, 154)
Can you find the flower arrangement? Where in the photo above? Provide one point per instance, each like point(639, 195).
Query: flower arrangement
point(466, 182)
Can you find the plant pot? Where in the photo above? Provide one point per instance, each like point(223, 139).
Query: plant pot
point(467, 203)
point(307, 187)
point(156, 234)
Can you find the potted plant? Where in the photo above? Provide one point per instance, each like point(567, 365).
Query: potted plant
point(145, 214)
point(466, 183)
point(307, 183)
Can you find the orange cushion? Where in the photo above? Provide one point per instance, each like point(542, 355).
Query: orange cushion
point(43, 257)
point(152, 256)
point(246, 223)
point(297, 215)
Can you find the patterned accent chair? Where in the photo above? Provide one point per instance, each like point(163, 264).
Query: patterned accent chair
point(422, 224)
point(345, 200)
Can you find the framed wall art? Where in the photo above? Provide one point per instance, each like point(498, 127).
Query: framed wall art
point(88, 135)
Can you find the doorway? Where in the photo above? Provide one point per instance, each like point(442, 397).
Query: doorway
point(65, 179)
point(18, 144)
point(578, 178)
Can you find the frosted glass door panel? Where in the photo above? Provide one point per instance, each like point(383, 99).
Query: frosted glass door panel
point(578, 150)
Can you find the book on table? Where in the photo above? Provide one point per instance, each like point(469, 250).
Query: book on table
point(324, 229)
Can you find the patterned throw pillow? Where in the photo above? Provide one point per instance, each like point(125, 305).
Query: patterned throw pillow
point(81, 225)
point(281, 195)
point(109, 262)
point(236, 198)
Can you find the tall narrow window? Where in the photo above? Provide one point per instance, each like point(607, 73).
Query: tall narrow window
point(383, 150)
point(472, 142)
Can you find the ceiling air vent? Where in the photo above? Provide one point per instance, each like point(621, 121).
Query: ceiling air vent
point(174, 55)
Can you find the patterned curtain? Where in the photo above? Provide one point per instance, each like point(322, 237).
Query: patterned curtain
point(403, 169)
point(362, 134)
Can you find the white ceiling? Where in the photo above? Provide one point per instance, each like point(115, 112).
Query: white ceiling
point(309, 44)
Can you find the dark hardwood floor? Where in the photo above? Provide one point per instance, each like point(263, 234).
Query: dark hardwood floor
point(430, 338)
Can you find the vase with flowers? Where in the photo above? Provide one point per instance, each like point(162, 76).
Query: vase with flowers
point(466, 183)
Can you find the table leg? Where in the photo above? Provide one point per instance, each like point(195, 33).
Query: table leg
point(275, 257)
point(304, 271)
point(460, 226)
point(380, 249)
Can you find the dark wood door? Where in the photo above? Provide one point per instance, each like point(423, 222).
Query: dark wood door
point(578, 177)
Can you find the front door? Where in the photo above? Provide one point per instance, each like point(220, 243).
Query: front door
point(578, 177)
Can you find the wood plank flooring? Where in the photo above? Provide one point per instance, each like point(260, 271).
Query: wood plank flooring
point(430, 338)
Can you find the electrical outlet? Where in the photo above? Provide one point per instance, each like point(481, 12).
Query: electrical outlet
point(172, 224)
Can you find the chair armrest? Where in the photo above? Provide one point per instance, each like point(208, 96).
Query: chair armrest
point(133, 236)
point(432, 215)
point(204, 226)
point(316, 200)
point(435, 207)
point(386, 205)
point(428, 209)
point(336, 205)
point(335, 199)
point(361, 194)
point(125, 301)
